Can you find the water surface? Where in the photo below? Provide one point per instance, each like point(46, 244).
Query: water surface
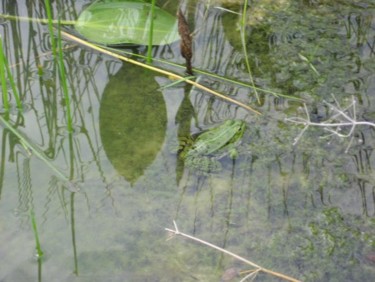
point(305, 209)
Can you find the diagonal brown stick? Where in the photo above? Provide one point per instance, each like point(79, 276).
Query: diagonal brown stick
point(167, 73)
point(259, 268)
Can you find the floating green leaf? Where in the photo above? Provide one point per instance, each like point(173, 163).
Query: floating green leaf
point(115, 22)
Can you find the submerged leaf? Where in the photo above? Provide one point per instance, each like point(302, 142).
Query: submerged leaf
point(115, 22)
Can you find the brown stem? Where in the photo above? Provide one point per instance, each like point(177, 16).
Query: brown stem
point(186, 41)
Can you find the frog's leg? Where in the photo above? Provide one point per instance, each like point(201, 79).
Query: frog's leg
point(203, 163)
point(233, 153)
point(184, 145)
point(232, 150)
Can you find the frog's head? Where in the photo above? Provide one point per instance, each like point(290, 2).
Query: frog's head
point(238, 127)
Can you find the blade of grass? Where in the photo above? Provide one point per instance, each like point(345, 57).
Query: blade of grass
point(73, 230)
point(64, 83)
point(3, 79)
point(176, 82)
point(13, 85)
point(151, 33)
point(243, 41)
point(36, 235)
point(44, 21)
point(5, 64)
point(50, 26)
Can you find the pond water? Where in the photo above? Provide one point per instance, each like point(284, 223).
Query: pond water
point(98, 200)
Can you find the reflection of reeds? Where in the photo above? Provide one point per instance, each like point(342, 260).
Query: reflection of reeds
point(46, 79)
point(34, 149)
point(27, 206)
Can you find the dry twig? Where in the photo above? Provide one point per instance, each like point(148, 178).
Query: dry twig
point(175, 231)
point(340, 118)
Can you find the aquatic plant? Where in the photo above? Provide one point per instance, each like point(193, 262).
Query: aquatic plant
point(186, 41)
point(127, 22)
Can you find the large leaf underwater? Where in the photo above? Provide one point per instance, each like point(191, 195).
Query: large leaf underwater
point(117, 22)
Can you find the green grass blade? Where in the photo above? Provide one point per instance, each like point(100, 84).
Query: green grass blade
point(13, 85)
point(243, 41)
point(3, 79)
point(35, 20)
point(4, 65)
point(50, 26)
point(151, 32)
point(174, 83)
point(36, 235)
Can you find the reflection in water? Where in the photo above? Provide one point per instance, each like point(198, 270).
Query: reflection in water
point(132, 121)
point(365, 179)
point(183, 119)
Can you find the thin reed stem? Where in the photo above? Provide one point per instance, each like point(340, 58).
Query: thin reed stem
point(4, 67)
point(151, 33)
point(44, 21)
point(244, 47)
point(50, 26)
point(64, 83)
point(13, 85)
point(36, 235)
point(5, 64)
point(3, 79)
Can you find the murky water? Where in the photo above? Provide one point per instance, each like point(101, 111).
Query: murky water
point(298, 204)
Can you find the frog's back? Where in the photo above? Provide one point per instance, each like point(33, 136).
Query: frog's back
point(216, 138)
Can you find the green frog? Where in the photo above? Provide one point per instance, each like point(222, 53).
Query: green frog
point(204, 152)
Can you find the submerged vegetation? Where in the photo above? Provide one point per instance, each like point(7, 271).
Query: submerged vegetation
point(277, 96)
